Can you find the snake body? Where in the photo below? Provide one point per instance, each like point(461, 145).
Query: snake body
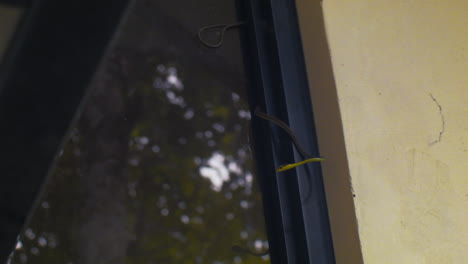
point(306, 156)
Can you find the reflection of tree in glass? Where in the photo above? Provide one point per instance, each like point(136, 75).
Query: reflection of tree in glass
point(158, 169)
point(202, 178)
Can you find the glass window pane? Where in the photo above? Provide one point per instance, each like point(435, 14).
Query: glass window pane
point(158, 169)
point(9, 18)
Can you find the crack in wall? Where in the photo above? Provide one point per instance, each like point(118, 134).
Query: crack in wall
point(441, 132)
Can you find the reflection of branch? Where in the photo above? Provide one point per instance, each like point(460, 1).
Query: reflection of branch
point(132, 99)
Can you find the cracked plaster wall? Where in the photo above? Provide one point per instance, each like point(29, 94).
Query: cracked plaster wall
point(392, 76)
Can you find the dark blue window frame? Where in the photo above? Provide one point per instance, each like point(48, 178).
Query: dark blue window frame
point(295, 203)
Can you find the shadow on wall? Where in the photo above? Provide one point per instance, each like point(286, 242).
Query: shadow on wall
point(327, 116)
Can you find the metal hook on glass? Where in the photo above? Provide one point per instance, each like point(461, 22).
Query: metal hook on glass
point(223, 29)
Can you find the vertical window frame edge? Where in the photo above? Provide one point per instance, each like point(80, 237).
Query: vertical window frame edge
point(281, 88)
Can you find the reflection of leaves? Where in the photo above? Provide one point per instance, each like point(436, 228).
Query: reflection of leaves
point(176, 168)
point(228, 139)
point(221, 112)
point(174, 213)
point(208, 234)
point(187, 189)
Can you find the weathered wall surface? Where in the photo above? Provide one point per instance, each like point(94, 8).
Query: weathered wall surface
point(394, 79)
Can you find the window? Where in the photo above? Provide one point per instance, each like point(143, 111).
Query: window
point(158, 168)
point(165, 163)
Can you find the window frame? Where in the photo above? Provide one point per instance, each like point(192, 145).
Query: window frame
point(295, 204)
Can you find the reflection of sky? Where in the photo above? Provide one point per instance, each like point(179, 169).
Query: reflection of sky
point(217, 171)
point(170, 83)
point(171, 80)
point(40, 241)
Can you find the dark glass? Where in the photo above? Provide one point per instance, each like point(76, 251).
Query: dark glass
point(158, 167)
point(9, 18)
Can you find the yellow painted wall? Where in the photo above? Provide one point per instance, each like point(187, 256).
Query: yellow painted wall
point(392, 78)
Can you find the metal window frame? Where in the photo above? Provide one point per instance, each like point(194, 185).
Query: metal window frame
point(295, 205)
